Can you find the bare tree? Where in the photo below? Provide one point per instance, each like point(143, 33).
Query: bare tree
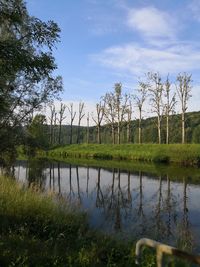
point(81, 114)
point(121, 108)
point(60, 120)
point(51, 118)
point(129, 119)
point(88, 127)
point(140, 97)
point(110, 112)
point(184, 93)
point(55, 128)
point(72, 117)
point(156, 94)
point(116, 106)
point(98, 119)
point(169, 106)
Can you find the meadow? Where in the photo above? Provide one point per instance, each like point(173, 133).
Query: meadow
point(187, 154)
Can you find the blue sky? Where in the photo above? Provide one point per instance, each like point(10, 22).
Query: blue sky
point(107, 41)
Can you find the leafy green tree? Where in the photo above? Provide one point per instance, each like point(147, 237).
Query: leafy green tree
point(38, 131)
point(196, 135)
point(26, 67)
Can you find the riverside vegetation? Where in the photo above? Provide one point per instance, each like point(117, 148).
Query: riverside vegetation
point(187, 154)
point(39, 231)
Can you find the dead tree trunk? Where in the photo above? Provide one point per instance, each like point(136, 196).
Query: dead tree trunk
point(81, 114)
point(184, 93)
point(72, 117)
point(98, 119)
point(60, 120)
point(139, 99)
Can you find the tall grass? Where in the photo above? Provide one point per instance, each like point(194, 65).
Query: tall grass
point(38, 231)
point(188, 154)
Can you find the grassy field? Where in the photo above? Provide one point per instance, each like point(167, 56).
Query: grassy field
point(188, 154)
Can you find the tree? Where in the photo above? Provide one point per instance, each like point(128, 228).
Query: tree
point(98, 119)
point(110, 112)
point(196, 135)
point(169, 105)
point(184, 93)
point(26, 66)
point(51, 118)
point(37, 133)
point(156, 94)
point(129, 119)
point(116, 109)
point(121, 108)
point(88, 128)
point(60, 120)
point(81, 114)
point(140, 98)
point(72, 117)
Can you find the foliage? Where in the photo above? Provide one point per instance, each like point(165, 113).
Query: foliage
point(37, 137)
point(26, 68)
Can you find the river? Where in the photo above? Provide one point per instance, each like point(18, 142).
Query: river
point(125, 202)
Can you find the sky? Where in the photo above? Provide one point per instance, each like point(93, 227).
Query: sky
point(108, 41)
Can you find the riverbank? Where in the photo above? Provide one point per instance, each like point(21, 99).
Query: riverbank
point(187, 154)
point(36, 230)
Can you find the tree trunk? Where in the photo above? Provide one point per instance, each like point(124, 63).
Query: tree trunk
point(78, 134)
point(113, 135)
point(70, 134)
point(140, 128)
point(98, 135)
point(167, 129)
point(128, 132)
point(159, 131)
point(59, 134)
point(118, 133)
point(183, 127)
point(88, 130)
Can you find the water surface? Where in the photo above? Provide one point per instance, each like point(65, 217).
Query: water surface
point(132, 204)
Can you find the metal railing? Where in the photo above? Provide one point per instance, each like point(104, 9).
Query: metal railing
point(162, 249)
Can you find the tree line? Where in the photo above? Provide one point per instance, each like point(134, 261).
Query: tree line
point(116, 111)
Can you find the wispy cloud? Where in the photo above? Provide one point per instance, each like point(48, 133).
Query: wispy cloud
point(151, 22)
point(194, 7)
point(137, 60)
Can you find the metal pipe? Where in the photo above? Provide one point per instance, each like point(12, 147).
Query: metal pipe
point(163, 249)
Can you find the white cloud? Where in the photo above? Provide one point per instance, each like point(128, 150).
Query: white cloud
point(137, 60)
point(194, 7)
point(151, 22)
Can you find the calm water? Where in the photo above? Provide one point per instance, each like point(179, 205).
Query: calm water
point(132, 204)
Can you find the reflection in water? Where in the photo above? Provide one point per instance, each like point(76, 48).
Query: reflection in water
point(131, 203)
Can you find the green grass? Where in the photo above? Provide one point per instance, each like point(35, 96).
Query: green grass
point(188, 154)
point(39, 231)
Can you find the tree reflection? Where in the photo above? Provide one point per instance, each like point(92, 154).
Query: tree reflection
point(185, 238)
point(123, 199)
point(88, 177)
point(99, 195)
point(71, 191)
point(36, 176)
point(78, 185)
